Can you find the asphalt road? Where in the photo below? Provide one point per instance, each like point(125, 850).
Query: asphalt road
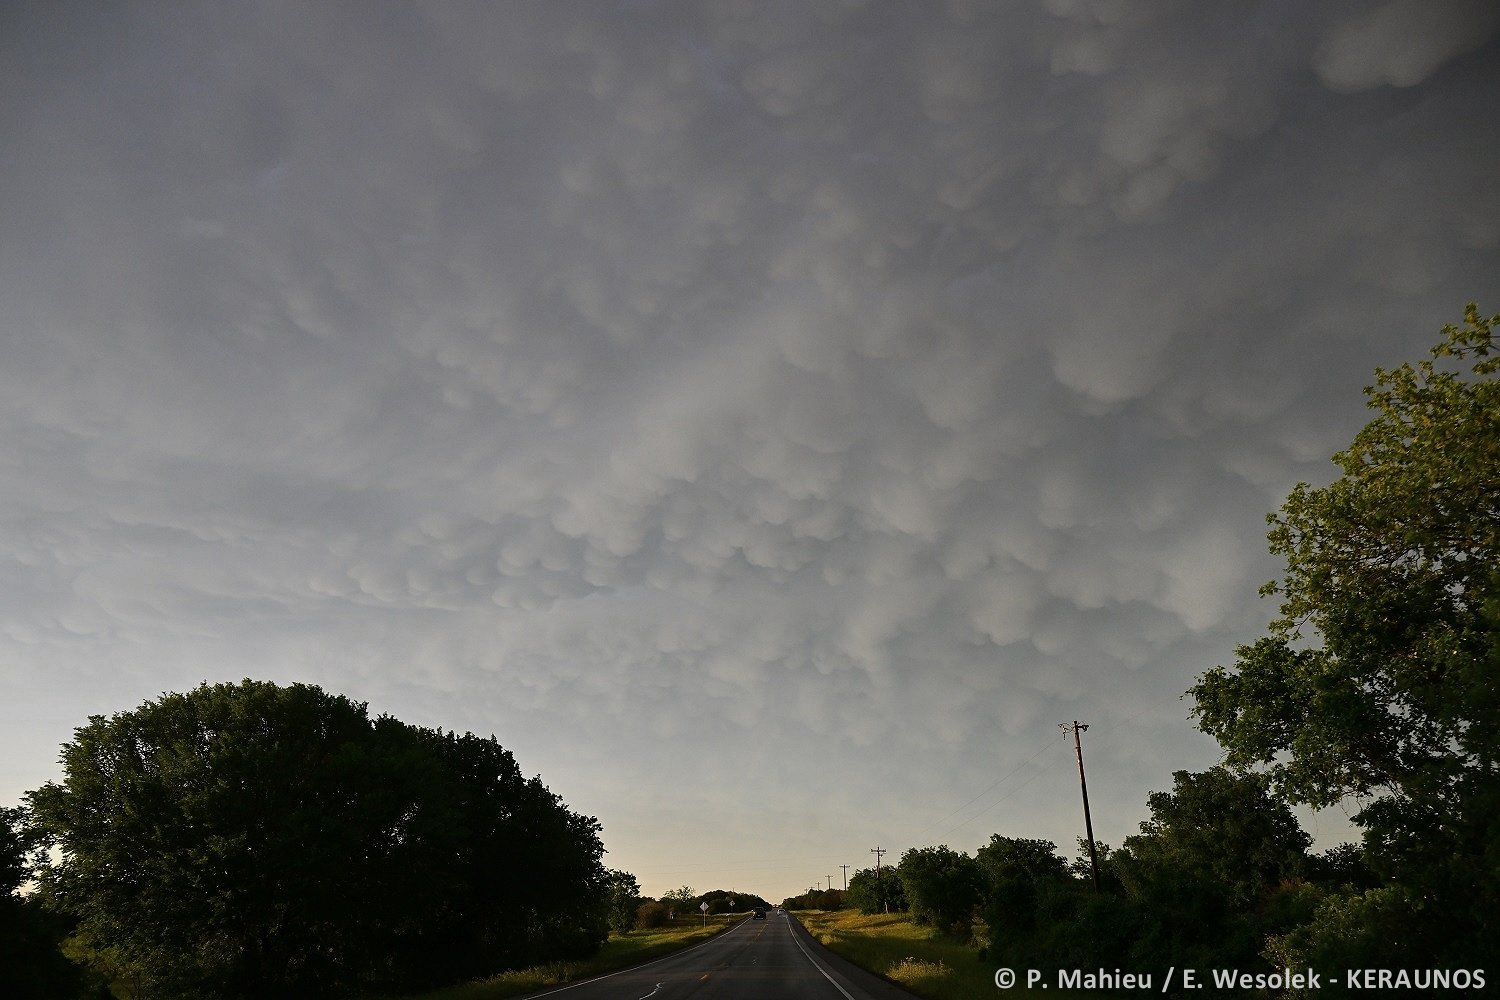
point(771, 959)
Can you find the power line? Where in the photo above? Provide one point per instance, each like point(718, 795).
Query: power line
point(1048, 744)
point(1045, 768)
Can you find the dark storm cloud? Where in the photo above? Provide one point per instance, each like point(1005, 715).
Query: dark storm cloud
point(883, 381)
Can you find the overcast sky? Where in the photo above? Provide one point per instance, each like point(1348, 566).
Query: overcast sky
point(769, 420)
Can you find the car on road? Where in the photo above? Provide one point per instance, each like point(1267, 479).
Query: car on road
point(760, 913)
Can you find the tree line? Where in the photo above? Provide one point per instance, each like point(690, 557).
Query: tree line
point(1219, 873)
point(1378, 685)
point(630, 910)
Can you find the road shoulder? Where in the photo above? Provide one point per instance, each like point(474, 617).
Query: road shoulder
point(868, 983)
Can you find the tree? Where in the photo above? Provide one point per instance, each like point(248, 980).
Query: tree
point(1368, 930)
point(522, 883)
point(1219, 828)
point(682, 897)
point(1083, 864)
point(622, 900)
point(1014, 872)
point(942, 887)
point(1210, 870)
point(1344, 865)
point(1377, 680)
point(679, 900)
point(255, 840)
point(31, 964)
point(876, 892)
point(1016, 857)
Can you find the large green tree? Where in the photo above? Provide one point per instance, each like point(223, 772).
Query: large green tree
point(1378, 681)
point(1219, 828)
point(1014, 873)
point(942, 887)
point(254, 840)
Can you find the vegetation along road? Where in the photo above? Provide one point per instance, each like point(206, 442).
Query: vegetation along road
point(756, 959)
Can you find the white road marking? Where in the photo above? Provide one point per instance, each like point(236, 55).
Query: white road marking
point(798, 942)
point(653, 992)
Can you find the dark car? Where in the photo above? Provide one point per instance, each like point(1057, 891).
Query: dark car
point(760, 913)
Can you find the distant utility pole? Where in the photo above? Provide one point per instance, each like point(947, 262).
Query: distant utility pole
point(830, 882)
point(878, 851)
point(1088, 823)
point(846, 877)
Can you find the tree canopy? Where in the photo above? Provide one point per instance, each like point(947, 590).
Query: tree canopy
point(873, 891)
point(255, 840)
point(1221, 829)
point(1377, 680)
point(622, 900)
point(1016, 857)
point(941, 886)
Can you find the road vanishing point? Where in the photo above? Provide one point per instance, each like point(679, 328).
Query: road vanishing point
point(774, 959)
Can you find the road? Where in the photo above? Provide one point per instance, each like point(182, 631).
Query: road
point(771, 959)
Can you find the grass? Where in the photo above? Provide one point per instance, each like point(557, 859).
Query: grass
point(916, 957)
point(620, 952)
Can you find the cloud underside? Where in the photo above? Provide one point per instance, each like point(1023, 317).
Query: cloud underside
point(841, 369)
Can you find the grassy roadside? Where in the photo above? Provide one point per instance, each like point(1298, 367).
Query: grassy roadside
point(620, 952)
point(890, 945)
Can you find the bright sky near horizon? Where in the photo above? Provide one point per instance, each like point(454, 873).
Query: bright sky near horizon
point(769, 420)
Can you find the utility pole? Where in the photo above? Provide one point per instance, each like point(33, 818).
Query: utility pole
point(1088, 823)
point(878, 851)
point(846, 877)
point(830, 882)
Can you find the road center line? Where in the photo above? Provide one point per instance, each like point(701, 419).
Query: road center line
point(643, 965)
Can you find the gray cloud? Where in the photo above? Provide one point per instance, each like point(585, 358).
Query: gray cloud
point(687, 392)
point(1401, 43)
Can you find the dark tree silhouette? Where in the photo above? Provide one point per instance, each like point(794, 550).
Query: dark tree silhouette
point(253, 840)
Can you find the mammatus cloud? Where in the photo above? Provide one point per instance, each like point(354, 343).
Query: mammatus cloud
point(1401, 43)
point(688, 392)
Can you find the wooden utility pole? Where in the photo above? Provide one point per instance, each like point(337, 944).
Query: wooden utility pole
point(878, 851)
point(830, 882)
point(1088, 823)
point(846, 877)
